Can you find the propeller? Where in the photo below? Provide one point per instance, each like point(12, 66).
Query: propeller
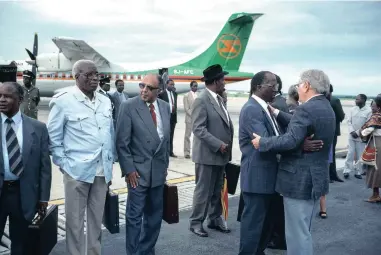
point(33, 56)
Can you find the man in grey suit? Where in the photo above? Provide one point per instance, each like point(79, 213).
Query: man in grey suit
point(303, 177)
point(212, 144)
point(142, 142)
point(117, 98)
point(26, 170)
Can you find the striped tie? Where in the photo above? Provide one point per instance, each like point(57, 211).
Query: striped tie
point(14, 155)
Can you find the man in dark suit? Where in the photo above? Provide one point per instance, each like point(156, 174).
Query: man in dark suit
point(212, 145)
point(26, 170)
point(302, 177)
point(340, 115)
point(170, 96)
point(279, 102)
point(142, 142)
point(258, 170)
point(118, 98)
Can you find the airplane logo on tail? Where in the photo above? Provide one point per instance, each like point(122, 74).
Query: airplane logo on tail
point(229, 46)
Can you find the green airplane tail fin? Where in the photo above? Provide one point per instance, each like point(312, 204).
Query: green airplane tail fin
point(229, 47)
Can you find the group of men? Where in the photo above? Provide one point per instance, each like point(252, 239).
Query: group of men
point(86, 134)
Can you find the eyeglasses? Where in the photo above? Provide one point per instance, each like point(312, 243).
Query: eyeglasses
point(149, 86)
point(274, 87)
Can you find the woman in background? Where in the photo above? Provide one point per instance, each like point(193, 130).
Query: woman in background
point(371, 131)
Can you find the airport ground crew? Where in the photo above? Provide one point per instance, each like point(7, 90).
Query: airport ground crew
point(31, 95)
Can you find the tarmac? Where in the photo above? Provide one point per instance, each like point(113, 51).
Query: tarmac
point(175, 239)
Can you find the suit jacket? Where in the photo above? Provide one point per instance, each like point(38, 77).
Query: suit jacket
point(35, 180)
point(339, 113)
point(138, 144)
point(258, 169)
point(210, 129)
point(164, 96)
point(188, 102)
point(115, 100)
point(303, 175)
point(280, 103)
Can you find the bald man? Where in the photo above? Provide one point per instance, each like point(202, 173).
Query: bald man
point(142, 144)
point(81, 135)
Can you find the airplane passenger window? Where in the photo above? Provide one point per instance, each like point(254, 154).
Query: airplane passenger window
point(128, 77)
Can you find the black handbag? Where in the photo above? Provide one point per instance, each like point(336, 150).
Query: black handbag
point(232, 174)
point(111, 212)
point(42, 233)
point(170, 204)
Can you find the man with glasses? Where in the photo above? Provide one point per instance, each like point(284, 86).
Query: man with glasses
point(82, 144)
point(142, 144)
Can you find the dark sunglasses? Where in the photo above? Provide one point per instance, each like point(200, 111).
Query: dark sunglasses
point(150, 87)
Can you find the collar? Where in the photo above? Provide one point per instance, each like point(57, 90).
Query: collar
point(154, 104)
point(80, 95)
point(260, 101)
point(313, 97)
point(213, 93)
point(16, 118)
point(101, 90)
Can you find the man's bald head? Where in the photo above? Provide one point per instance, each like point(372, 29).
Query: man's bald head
point(149, 88)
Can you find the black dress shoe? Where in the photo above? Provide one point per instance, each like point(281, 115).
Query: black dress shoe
point(222, 228)
point(173, 155)
point(337, 179)
point(199, 231)
point(187, 157)
point(358, 176)
point(346, 175)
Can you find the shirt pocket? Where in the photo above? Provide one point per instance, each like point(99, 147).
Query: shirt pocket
point(78, 121)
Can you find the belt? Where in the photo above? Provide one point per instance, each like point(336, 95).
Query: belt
point(10, 184)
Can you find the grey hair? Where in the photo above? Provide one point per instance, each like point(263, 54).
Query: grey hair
point(293, 90)
point(317, 79)
point(77, 67)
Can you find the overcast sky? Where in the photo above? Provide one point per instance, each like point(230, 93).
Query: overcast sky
point(340, 38)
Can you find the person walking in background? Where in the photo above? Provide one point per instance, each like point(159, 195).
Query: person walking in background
point(188, 100)
point(292, 98)
point(339, 115)
point(371, 131)
point(358, 115)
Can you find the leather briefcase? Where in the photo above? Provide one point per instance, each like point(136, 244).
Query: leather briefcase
point(42, 233)
point(170, 204)
point(111, 212)
point(232, 174)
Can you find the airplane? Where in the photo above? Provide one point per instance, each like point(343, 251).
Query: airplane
point(53, 71)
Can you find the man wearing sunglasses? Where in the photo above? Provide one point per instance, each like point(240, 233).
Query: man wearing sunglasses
point(81, 135)
point(142, 144)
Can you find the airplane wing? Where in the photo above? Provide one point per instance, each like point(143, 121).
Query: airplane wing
point(75, 50)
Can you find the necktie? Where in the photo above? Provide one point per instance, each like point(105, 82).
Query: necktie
point(153, 114)
point(173, 107)
point(222, 108)
point(14, 154)
point(273, 119)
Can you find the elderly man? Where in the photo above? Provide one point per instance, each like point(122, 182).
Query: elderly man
point(143, 136)
point(31, 97)
point(26, 169)
point(82, 144)
point(303, 177)
point(212, 146)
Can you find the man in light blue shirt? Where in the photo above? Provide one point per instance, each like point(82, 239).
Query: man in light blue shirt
point(82, 144)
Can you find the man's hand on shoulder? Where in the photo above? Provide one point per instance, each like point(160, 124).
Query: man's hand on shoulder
point(132, 179)
point(312, 145)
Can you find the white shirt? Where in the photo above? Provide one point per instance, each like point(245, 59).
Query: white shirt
point(91, 103)
point(170, 99)
point(194, 94)
point(357, 118)
point(264, 105)
point(159, 121)
point(18, 128)
point(215, 97)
